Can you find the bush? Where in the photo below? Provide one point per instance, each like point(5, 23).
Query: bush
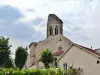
point(46, 57)
point(51, 71)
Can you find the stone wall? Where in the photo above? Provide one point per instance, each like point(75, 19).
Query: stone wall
point(54, 21)
point(52, 43)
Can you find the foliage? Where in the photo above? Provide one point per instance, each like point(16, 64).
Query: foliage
point(4, 50)
point(9, 63)
point(20, 57)
point(46, 57)
point(50, 71)
point(74, 71)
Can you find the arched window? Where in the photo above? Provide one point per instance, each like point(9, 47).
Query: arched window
point(51, 30)
point(56, 30)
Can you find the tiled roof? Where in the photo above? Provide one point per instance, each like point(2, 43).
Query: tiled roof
point(97, 49)
point(91, 50)
point(58, 52)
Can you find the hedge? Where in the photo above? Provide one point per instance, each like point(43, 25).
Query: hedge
point(51, 71)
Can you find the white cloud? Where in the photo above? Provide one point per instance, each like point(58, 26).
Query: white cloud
point(81, 17)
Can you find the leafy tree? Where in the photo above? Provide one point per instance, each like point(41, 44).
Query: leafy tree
point(9, 63)
point(4, 50)
point(20, 57)
point(46, 57)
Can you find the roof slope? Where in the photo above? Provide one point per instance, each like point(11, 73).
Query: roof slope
point(89, 50)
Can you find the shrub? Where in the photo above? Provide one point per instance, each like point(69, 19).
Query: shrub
point(46, 57)
point(50, 71)
point(1, 73)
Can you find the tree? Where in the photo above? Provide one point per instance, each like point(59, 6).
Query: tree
point(46, 57)
point(20, 57)
point(4, 50)
point(9, 63)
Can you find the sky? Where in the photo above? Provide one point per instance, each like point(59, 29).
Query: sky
point(24, 21)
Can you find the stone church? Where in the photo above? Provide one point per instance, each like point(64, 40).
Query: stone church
point(66, 51)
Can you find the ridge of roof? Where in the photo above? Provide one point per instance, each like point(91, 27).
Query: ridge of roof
point(97, 49)
point(89, 49)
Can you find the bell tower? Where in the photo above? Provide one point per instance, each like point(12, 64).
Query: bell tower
point(54, 26)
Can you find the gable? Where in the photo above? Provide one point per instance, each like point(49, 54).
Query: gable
point(78, 57)
point(53, 43)
point(76, 54)
point(87, 50)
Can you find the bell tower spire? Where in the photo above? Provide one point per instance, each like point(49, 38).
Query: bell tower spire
point(54, 26)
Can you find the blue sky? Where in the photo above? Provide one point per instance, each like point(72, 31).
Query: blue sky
point(24, 21)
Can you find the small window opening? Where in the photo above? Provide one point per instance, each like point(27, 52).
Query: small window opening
point(98, 62)
point(56, 30)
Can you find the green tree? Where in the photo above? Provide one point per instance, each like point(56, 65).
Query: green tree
point(9, 63)
point(20, 57)
point(4, 50)
point(46, 57)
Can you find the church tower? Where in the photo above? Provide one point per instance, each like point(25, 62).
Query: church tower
point(54, 26)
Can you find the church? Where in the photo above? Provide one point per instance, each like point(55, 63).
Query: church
point(65, 51)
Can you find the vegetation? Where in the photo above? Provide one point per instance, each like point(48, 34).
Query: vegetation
point(4, 50)
point(74, 71)
point(9, 63)
point(20, 57)
point(46, 57)
point(50, 71)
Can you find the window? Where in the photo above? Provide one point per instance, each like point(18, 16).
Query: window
point(98, 62)
point(51, 30)
point(56, 30)
point(65, 66)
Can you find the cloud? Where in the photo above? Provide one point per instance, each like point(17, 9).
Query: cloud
point(18, 31)
point(30, 10)
point(80, 18)
point(21, 33)
point(9, 13)
point(37, 20)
